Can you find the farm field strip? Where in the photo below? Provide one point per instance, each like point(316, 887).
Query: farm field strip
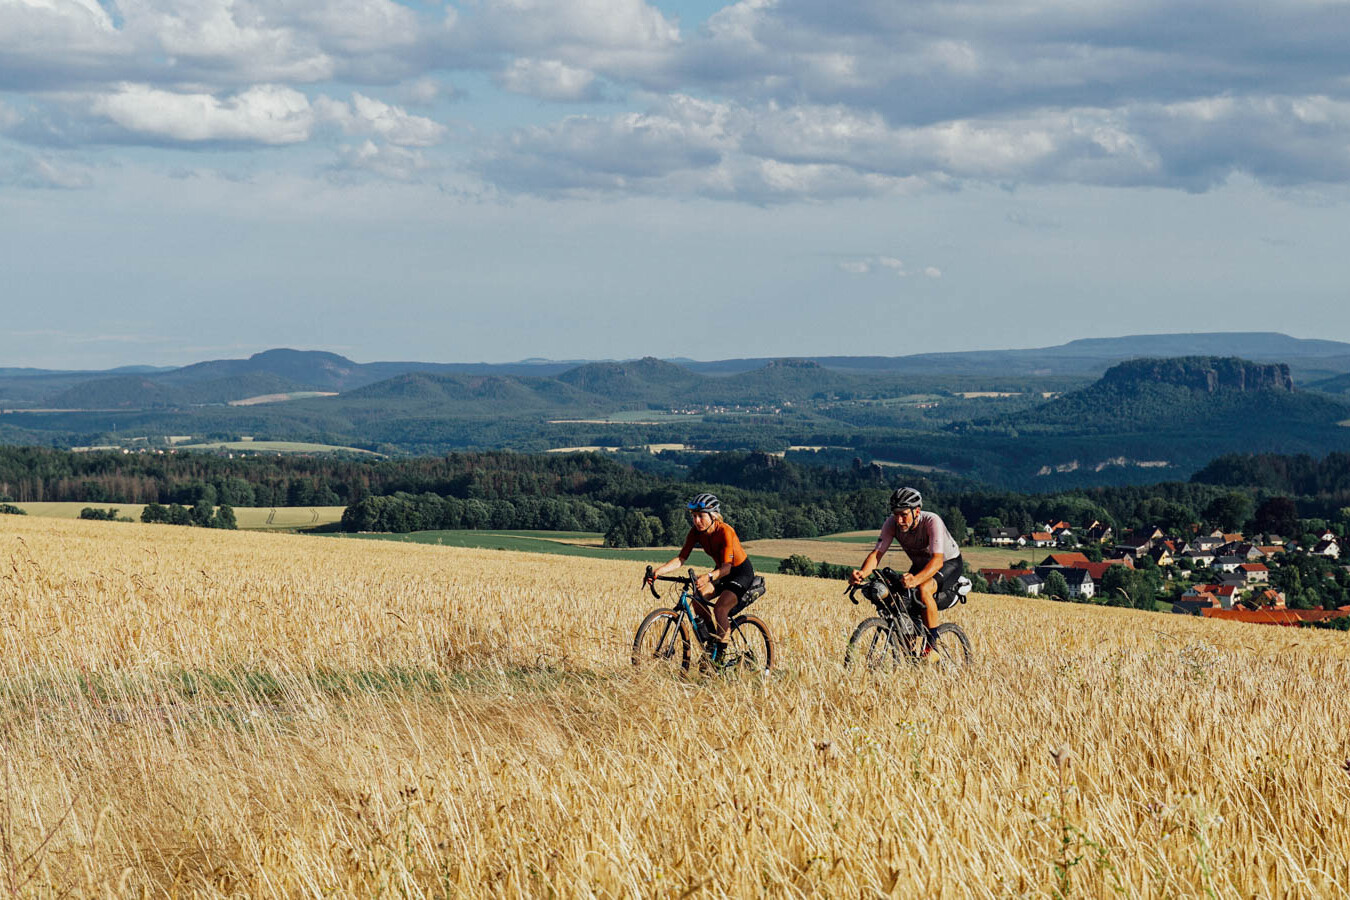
point(230, 713)
point(260, 517)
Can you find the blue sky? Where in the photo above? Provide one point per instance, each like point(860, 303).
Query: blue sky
point(500, 179)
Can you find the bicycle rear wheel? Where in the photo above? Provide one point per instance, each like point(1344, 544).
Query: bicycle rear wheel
point(951, 646)
point(875, 647)
point(749, 646)
point(663, 640)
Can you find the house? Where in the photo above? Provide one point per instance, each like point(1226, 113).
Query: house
point(1063, 560)
point(1199, 558)
point(1328, 548)
point(1270, 550)
point(1042, 539)
point(1228, 563)
point(1064, 537)
point(1080, 581)
point(1098, 533)
point(994, 576)
point(1221, 596)
point(1206, 542)
point(1235, 538)
point(1162, 555)
point(1134, 545)
point(1255, 572)
point(1033, 583)
point(1240, 548)
point(1005, 537)
point(1058, 526)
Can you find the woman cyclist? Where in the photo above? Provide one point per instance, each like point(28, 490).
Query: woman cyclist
point(727, 583)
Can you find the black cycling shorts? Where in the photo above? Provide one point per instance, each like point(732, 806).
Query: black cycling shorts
point(737, 580)
point(946, 576)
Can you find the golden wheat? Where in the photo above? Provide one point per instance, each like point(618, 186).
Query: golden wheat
point(187, 712)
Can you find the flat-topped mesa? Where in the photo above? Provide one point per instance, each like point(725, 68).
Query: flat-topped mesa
point(1203, 373)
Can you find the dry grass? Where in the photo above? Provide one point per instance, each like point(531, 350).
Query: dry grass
point(185, 712)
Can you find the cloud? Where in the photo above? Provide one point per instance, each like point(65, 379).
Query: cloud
point(548, 79)
point(267, 114)
point(382, 160)
point(865, 265)
point(365, 115)
point(44, 172)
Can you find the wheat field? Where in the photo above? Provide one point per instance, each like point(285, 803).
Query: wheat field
point(187, 712)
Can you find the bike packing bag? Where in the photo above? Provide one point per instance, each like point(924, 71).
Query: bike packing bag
point(954, 593)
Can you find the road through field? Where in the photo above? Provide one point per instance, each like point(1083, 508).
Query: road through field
point(216, 714)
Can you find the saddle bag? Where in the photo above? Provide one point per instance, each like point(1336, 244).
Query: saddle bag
point(954, 593)
point(757, 590)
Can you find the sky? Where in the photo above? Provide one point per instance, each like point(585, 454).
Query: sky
point(494, 180)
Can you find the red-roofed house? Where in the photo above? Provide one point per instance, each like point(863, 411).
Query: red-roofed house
point(1042, 539)
point(1255, 572)
point(1273, 616)
point(1064, 560)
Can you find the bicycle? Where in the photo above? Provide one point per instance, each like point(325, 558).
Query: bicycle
point(896, 636)
point(668, 636)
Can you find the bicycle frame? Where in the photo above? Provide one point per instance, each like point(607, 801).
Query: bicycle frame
point(686, 608)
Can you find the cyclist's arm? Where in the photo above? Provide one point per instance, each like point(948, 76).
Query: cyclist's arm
point(675, 563)
point(868, 565)
point(926, 573)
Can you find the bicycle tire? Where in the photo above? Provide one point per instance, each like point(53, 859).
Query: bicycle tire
point(750, 645)
point(663, 640)
point(874, 646)
point(952, 646)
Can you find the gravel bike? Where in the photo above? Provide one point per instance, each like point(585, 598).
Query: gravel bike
point(671, 636)
point(896, 636)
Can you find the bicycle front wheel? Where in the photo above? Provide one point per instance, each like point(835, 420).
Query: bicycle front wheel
point(749, 645)
point(875, 647)
point(663, 640)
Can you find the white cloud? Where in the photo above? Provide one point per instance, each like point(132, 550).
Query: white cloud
point(383, 160)
point(933, 272)
point(267, 114)
point(548, 79)
point(366, 115)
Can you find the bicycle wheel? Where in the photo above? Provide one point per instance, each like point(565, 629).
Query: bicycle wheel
point(951, 646)
point(875, 647)
point(749, 646)
point(662, 640)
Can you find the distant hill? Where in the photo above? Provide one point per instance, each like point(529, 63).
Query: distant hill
point(1088, 356)
point(646, 379)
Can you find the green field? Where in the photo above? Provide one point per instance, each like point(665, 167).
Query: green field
point(562, 543)
point(276, 447)
point(266, 518)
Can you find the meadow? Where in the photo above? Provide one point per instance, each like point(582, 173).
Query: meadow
point(186, 712)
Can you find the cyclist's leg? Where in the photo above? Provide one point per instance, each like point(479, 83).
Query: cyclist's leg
point(722, 610)
point(705, 613)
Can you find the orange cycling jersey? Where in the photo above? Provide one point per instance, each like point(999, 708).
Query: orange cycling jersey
point(721, 544)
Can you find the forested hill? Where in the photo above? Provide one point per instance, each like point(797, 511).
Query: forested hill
point(1209, 374)
point(1215, 394)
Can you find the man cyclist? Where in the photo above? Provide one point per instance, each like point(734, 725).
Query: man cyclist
point(934, 555)
point(721, 588)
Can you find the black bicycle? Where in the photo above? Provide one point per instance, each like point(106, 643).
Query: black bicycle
point(670, 636)
point(896, 637)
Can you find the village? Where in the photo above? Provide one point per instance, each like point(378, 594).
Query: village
point(1216, 574)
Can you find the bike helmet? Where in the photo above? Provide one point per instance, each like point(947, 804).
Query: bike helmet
point(906, 498)
point(706, 503)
